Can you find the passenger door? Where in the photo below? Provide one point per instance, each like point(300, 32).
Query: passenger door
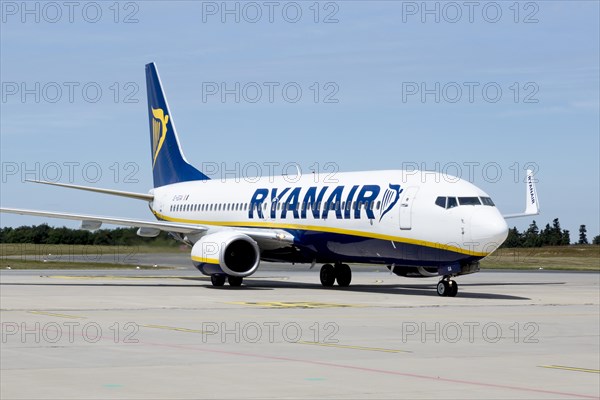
point(406, 201)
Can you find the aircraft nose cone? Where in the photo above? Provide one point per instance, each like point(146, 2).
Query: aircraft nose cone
point(488, 228)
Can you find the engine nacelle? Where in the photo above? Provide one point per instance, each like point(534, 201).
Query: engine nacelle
point(226, 252)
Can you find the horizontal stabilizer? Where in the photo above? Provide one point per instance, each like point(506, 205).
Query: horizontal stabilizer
point(95, 221)
point(131, 195)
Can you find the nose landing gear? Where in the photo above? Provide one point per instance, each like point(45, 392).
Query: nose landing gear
point(447, 287)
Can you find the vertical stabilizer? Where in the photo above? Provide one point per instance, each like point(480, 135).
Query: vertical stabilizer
point(168, 162)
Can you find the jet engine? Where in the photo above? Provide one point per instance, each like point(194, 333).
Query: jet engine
point(226, 252)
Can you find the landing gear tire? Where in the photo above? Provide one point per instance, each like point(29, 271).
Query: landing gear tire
point(443, 288)
point(217, 280)
point(327, 275)
point(343, 275)
point(235, 281)
point(453, 289)
point(447, 288)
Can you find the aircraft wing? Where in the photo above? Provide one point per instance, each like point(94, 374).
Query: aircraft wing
point(95, 221)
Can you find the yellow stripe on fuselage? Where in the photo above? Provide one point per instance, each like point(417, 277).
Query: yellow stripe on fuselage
point(328, 229)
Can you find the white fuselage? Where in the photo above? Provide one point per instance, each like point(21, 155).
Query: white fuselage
point(393, 206)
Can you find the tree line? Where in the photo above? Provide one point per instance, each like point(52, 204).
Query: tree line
point(44, 234)
point(550, 235)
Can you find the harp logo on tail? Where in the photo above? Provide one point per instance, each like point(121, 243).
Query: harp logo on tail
point(159, 131)
point(390, 198)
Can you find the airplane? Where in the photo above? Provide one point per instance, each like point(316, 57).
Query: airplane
point(418, 225)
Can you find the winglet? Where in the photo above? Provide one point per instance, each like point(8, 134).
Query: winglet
point(532, 203)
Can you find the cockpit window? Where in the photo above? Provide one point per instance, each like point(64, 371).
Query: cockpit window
point(441, 201)
point(451, 202)
point(487, 201)
point(469, 201)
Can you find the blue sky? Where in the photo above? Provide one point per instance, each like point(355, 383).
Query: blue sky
point(544, 59)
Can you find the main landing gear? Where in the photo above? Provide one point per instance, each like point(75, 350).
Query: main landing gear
point(340, 273)
point(447, 287)
point(219, 280)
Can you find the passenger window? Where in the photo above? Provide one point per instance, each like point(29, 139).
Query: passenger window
point(440, 201)
point(451, 202)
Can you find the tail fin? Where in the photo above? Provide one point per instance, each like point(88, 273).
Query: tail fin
point(169, 165)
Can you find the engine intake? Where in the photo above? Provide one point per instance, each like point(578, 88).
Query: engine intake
point(227, 252)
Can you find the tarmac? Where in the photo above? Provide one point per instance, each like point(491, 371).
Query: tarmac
point(169, 334)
